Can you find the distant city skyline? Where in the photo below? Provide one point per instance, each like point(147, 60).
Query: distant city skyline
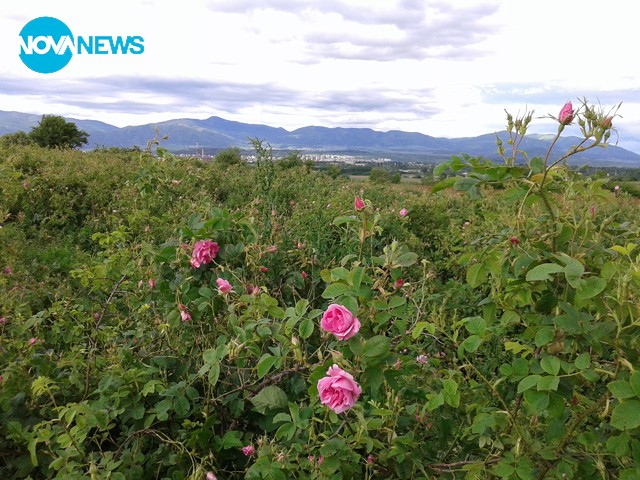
point(441, 69)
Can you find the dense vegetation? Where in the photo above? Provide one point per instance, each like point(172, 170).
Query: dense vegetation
point(171, 318)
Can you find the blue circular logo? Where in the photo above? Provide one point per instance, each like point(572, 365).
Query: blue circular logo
point(46, 45)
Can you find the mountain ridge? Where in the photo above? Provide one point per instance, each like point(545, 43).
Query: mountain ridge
point(215, 133)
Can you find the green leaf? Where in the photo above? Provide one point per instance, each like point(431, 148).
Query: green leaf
point(544, 336)
point(181, 406)
point(376, 347)
point(306, 328)
point(621, 389)
point(420, 326)
point(543, 272)
point(548, 383)
point(406, 259)
point(634, 380)
point(583, 361)
point(477, 274)
point(471, 343)
point(573, 271)
point(626, 415)
point(551, 365)
point(335, 290)
point(528, 382)
point(444, 184)
point(341, 220)
point(619, 444)
point(538, 401)
point(269, 398)
point(465, 183)
point(231, 439)
point(476, 325)
point(591, 287)
point(214, 373)
point(264, 365)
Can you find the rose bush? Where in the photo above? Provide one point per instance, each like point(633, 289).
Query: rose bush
point(485, 339)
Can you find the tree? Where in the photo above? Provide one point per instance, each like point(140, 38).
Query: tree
point(17, 138)
point(291, 160)
point(229, 156)
point(55, 132)
point(379, 175)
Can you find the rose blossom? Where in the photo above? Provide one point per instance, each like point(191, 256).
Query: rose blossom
point(33, 341)
point(248, 450)
point(339, 321)
point(403, 212)
point(224, 287)
point(204, 251)
point(566, 114)
point(358, 204)
point(184, 313)
point(339, 391)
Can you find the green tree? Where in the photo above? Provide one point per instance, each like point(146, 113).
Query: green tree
point(54, 131)
point(17, 138)
point(379, 175)
point(229, 156)
point(334, 171)
point(291, 160)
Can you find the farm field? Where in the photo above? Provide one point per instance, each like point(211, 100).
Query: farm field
point(177, 319)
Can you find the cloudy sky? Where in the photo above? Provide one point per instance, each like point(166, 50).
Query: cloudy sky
point(446, 69)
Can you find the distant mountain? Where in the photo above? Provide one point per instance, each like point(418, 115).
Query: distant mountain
point(216, 133)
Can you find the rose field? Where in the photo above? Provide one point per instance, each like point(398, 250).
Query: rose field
point(169, 318)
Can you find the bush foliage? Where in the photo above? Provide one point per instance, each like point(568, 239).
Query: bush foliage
point(497, 335)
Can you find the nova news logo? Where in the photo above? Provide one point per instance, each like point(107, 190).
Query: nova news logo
point(47, 45)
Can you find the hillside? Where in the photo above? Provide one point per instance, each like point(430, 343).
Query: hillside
point(216, 133)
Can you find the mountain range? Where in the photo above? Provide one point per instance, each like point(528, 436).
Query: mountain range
point(216, 133)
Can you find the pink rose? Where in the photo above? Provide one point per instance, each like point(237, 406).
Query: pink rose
point(248, 450)
point(224, 287)
point(184, 313)
point(204, 251)
point(211, 476)
point(152, 283)
point(33, 341)
point(403, 212)
point(339, 391)
point(566, 114)
point(358, 204)
point(339, 321)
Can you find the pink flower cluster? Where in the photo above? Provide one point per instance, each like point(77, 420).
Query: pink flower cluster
point(204, 251)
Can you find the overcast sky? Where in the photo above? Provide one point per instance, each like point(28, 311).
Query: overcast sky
point(446, 69)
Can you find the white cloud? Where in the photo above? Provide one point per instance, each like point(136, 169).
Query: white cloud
point(441, 68)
